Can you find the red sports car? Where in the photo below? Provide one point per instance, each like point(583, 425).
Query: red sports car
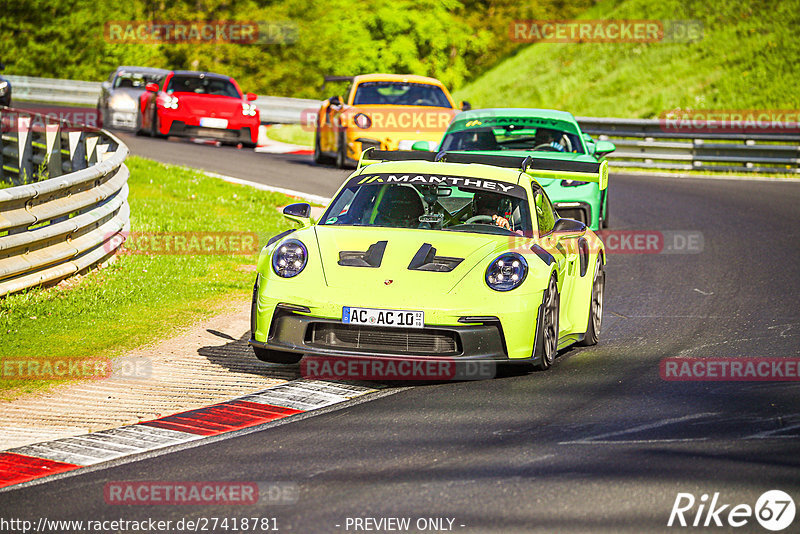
point(200, 104)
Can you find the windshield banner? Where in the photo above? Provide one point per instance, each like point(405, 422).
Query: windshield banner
point(475, 184)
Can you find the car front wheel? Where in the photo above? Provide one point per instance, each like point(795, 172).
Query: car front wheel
point(547, 327)
point(341, 152)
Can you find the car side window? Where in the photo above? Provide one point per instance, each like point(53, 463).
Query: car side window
point(545, 215)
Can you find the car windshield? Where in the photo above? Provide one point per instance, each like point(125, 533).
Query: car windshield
point(449, 203)
point(134, 80)
point(400, 94)
point(509, 137)
point(202, 85)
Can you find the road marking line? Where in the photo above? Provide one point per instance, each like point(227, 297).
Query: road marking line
point(639, 428)
point(291, 192)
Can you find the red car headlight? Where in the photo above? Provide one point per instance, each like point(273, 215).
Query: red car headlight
point(248, 109)
point(170, 102)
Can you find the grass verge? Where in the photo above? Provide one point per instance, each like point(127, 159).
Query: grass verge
point(141, 298)
point(746, 59)
point(294, 134)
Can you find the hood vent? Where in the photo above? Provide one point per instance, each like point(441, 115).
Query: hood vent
point(372, 257)
point(426, 260)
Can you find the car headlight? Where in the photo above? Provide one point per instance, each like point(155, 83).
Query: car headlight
point(506, 272)
point(572, 183)
point(289, 258)
point(3, 87)
point(170, 102)
point(248, 109)
point(122, 102)
point(362, 121)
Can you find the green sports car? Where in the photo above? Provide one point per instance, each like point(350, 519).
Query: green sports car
point(541, 134)
point(460, 258)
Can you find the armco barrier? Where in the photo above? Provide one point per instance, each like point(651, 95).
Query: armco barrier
point(67, 203)
point(641, 143)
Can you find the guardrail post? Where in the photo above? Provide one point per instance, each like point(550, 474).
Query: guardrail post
point(24, 150)
point(91, 149)
point(52, 135)
point(77, 150)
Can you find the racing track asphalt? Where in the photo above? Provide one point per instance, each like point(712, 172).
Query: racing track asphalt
point(599, 443)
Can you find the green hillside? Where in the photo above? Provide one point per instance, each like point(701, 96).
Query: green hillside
point(747, 59)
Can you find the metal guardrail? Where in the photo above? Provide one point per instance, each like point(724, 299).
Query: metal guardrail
point(641, 143)
point(54, 90)
point(69, 206)
point(646, 143)
point(280, 110)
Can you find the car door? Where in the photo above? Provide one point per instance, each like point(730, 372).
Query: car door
point(563, 249)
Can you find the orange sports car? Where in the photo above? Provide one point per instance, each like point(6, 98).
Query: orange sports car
point(385, 111)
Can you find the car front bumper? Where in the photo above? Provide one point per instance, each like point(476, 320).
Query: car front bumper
point(300, 333)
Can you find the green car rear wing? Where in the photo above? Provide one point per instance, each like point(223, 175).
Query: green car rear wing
point(534, 167)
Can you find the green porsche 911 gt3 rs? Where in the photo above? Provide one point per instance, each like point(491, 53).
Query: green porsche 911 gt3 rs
point(462, 258)
point(541, 134)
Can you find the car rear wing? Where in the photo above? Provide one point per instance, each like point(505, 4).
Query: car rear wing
point(335, 79)
point(535, 168)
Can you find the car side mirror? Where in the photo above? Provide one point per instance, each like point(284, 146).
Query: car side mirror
point(335, 101)
point(601, 148)
point(569, 228)
point(421, 145)
point(465, 106)
point(251, 96)
point(151, 87)
point(299, 213)
point(106, 85)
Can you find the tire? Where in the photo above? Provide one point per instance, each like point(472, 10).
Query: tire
point(595, 307)
point(139, 129)
point(319, 157)
point(276, 356)
point(154, 127)
point(341, 152)
point(547, 328)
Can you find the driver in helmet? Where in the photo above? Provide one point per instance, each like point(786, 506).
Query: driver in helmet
point(549, 138)
point(490, 205)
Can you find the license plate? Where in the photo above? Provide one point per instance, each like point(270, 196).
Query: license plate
point(373, 317)
point(211, 122)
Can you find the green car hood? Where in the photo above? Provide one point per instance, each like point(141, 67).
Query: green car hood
point(401, 247)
